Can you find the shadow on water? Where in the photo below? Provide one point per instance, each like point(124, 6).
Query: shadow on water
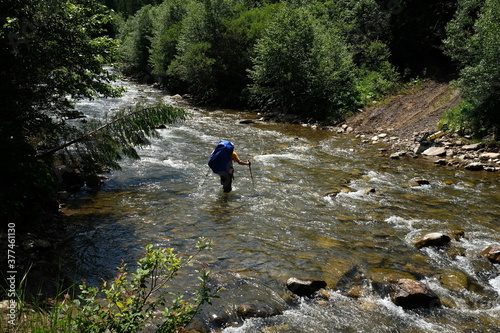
point(97, 242)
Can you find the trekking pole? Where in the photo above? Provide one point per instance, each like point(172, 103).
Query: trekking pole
point(203, 182)
point(251, 176)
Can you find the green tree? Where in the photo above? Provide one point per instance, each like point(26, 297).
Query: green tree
point(52, 55)
point(474, 41)
point(167, 25)
point(304, 68)
point(136, 35)
point(365, 26)
point(195, 61)
point(215, 47)
point(128, 8)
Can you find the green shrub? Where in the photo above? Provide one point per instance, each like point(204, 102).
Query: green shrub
point(474, 42)
point(303, 67)
point(128, 303)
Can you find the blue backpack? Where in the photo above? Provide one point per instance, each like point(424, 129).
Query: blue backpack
point(220, 160)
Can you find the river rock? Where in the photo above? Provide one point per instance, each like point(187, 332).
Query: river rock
point(247, 121)
point(432, 239)
point(475, 166)
point(455, 281)
point(441, 161)
point(489, 156)
point(435, 151)
point(458, 234)
point(252, 310)
point(412, 294)
point(490, 168)
point(369, 190)
point(422, 181)
point(420, 147)
point(69, 178)
point(474, 146)
point(304, 288)
point(397, 155)
point(492, 253)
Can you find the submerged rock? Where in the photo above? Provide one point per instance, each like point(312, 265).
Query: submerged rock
point(412, 294)
point(456, 281)
point(304, 288)
point(492, 253)
point(432, 239)
point(457, 234)
point(256, 310)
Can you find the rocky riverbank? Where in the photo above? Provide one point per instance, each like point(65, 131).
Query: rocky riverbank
point(397, 125)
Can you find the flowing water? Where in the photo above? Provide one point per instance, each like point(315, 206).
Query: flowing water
point(283, 224)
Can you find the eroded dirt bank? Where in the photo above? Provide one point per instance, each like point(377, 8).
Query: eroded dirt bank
point(406, 116)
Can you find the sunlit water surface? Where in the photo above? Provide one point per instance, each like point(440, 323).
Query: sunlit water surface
point(283, 223)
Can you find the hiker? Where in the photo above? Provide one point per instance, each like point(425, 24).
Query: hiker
point(221, 163)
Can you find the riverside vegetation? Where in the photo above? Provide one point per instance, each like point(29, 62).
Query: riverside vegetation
point(317, 60)
point(130, 302)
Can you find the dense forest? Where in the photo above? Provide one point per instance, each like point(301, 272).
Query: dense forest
point(318, 60)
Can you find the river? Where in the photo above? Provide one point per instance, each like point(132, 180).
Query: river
point(283, 224)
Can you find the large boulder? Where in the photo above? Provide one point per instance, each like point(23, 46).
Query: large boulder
point(412, 294)
point(304, 288)
point(432, 239)
point(492, 253)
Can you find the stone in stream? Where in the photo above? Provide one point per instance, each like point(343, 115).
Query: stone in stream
point(489, 156)
point(247, 121)
point(455, 281)
point(412, 294)
point(304, 288)
point(422, 181)
point(492, 253)
point(475, 166)
point(254, 310)
point(432, 239)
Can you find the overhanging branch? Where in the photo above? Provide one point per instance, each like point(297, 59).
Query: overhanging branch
point(170, 115)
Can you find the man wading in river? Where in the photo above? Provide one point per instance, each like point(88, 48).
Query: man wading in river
point(221, 163)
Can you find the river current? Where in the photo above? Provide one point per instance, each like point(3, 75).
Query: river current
point(283, 223)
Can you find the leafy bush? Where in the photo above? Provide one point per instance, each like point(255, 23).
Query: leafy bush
point(474, 41)
point(377, 77)
point(128, 303)
point(303, 67)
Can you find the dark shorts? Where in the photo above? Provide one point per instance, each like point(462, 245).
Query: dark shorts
point(226, 180)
